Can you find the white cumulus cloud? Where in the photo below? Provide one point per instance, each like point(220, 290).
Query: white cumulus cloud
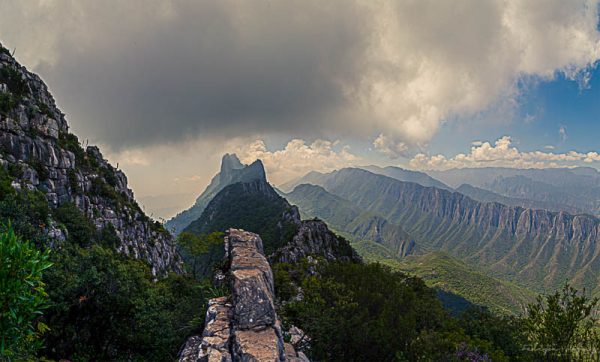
point(297, 158)
point(502, 154)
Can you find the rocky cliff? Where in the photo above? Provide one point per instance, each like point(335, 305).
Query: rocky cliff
point(243, 326)
point(40, 153)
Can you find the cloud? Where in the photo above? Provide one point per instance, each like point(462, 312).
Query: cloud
point(298, 158)
point(393, 149)
point(138, 73)
point(502, 154)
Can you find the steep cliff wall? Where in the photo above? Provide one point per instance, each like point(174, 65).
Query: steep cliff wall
point(40, 153)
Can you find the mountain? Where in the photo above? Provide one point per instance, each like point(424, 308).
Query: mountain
point(536, 247)
point(421, 178)
point(483, 195)
point(232, 170)
point(41, 155)
point(401, 174)
point(254, 205)
point(312, 178)
point(575, 190)
point(343, 216)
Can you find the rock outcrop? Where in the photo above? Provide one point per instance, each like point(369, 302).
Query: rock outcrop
point(244, 326)
point(35, 144)
point(315, 239)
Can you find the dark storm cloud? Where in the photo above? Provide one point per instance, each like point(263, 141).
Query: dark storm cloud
point(138, 73)
point(141, 77)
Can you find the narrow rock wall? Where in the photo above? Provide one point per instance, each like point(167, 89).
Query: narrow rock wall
point(243, 326)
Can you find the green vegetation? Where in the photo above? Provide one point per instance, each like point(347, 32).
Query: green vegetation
point(247, 206)
point(107, 307)
point(563, 326)
point(27, 211)
point(7, 102)
point(22, 296)
point(442, 271)
point(201, 252)
point(10, 76)
point(101, 304)
point(368, 312)
point(360, 312)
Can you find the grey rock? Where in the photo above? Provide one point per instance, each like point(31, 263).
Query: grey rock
point(34, 141)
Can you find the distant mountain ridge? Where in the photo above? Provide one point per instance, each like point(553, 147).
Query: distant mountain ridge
point(232, 171)
point(401, 174)
point(538, 246)
point(421, 178)
point(575, 190)
point(483, 195)
point(342, 215)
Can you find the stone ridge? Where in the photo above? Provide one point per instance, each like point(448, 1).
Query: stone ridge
point(36, 145)
point(243, 327)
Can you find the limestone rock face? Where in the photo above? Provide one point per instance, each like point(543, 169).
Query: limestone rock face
point(35, 141)
point(244, 327)
point(315, 239)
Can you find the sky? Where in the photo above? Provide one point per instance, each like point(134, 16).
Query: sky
point(165, 88)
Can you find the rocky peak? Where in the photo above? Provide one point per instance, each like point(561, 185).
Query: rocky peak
point(229, 163)
point(36, 145)
point(232, 171)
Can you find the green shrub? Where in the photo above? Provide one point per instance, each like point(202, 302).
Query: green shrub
point(40, 169)
point(7, 103)
point(80, 230)
point(562, 326)
point(70, 142)
point(10, 76)
point(22, 296)
point(107, 307)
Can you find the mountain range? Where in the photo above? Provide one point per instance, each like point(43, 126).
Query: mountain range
point(574, 190)
point(538, 248)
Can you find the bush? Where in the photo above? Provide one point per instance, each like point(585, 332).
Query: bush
point(10, 76)
point(22, 296)
point(27, 211)
point(563, 326)
point(107, 307)
point(7, 102)
point(79, 228)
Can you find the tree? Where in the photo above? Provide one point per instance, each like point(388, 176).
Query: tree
point(201, 252)
point(106, 306)
point(22, 296)
point(561, 327)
